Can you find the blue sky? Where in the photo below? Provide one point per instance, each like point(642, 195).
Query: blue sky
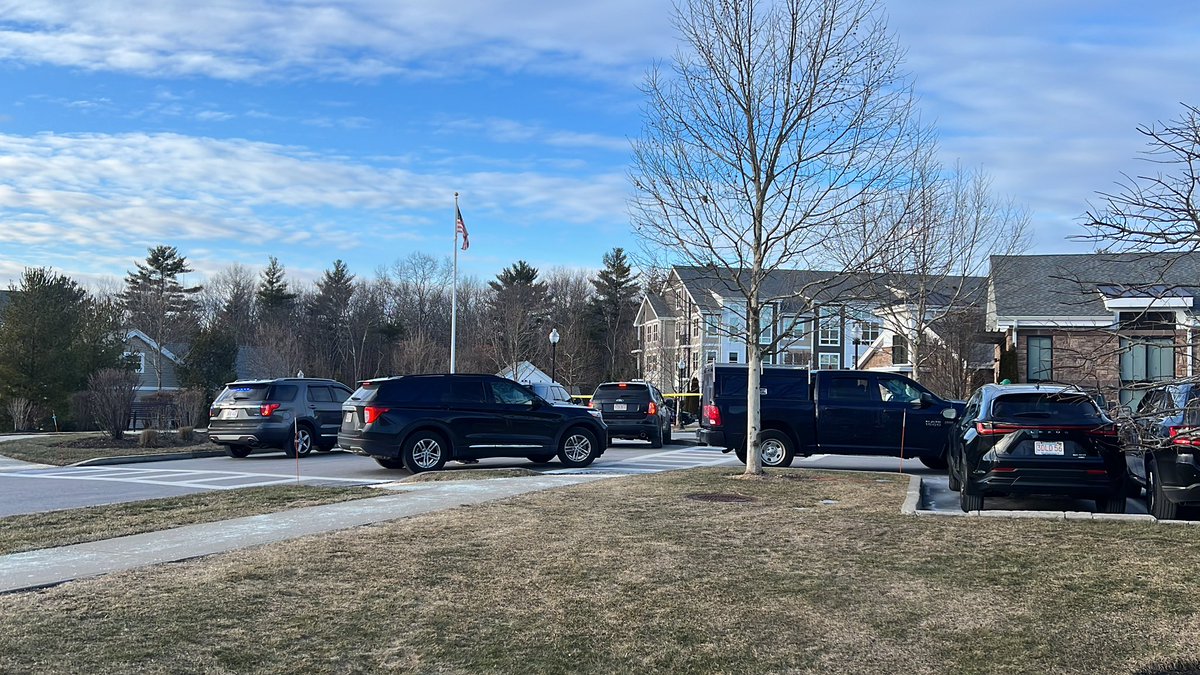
point(238, 129)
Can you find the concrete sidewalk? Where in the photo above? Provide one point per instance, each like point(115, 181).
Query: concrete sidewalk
point(48, 567)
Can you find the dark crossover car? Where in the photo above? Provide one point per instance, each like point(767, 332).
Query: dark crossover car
point(551, 391)
point(290, 414)
point(420, 422)
point(1161, 455)
point(1030, 439)
point(634, 410)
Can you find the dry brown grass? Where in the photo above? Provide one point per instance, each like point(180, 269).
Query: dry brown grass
point(628, 575)
point(74, 526)
point(64, 449)
point(469, 474)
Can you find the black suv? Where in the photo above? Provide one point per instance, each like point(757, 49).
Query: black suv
point(291, 414)
point(421, 421)
point(1161, 456)
point(634, 410)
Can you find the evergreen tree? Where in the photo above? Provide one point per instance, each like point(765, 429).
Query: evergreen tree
point(211, 361)
point(613, 308)
point(157, 303)
point(328, 316)
point(518, 313)
point(274, 297)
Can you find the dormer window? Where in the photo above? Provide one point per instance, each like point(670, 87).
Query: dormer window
point(1146, 320)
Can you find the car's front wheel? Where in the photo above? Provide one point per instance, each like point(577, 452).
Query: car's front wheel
point(577, 448)
point(425, 451)
point(1156, 498)
point(301, 442)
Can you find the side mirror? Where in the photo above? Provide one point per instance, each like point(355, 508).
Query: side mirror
point(926, 400)
point(950, 413)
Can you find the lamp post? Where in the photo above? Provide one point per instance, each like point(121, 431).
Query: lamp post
point(553, 349)
point(679, 400)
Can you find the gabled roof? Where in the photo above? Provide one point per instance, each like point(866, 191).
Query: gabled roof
point(659, 304)
point(1074, 285)
point(133, 332)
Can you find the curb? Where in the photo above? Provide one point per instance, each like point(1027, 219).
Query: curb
point(138, 459)
point(912, 502)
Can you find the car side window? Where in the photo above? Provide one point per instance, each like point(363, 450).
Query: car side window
point(508, 393)
point(855, 389)
point(319, 394)
point(465, 391)
point(895, 390)
point(340, 394)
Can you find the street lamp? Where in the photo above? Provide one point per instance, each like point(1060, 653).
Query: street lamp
point(553, 349)
point(679, 400)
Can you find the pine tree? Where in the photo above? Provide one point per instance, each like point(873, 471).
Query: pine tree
point(211, 360)
point(157, 303)
point(518, 313)
point(274, 298)
point(613, 309)
point(328, 312)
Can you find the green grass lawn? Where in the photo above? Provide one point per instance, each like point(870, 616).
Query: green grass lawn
point(75, 526)
point(69, 448)
point(646, 574)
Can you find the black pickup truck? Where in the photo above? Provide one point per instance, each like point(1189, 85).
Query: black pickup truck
point(837, 412)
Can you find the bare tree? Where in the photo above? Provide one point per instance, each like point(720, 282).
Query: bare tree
point(577, 358)
point(112, 392)
point(778, 122)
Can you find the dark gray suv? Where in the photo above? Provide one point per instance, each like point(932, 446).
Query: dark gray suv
point(290, 414)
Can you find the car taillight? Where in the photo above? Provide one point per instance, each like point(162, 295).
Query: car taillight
point(712, 415)
point(1172, 432)
point(1186, 440)
point(1110, 430)
point(994, 429)
point(268, 409)
point(591, 403)
point(212, 412)
point(652, 409)
point(372, 413)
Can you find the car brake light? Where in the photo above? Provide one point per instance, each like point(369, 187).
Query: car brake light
point(622, 386)
point(712, 415)
point(591, 403)
point(1186, 440)
point(652, 409)
point(1106, 430)
point(1175, 431)
point(268, 409)
point(994, 429)
point(372, 413)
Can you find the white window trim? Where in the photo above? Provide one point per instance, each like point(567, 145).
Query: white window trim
point(141, 369)
point(835, 358)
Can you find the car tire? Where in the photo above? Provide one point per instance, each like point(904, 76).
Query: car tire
point(741, 455)
point(237, 451)
point(577, 448)
point(1132, 487)
point(1111, 505)
point(425, 451)
point(667, 435)
point(952, 479)
point(1156, 499)
point(301, 442)
point(390, 462)
point(656, 439)
point(938, 463)
point(969, 502)
point(541, 459)
point(775, 449)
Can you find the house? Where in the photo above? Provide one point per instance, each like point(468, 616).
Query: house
point(525, 372)
point(827, 321)
point(142, 352)
point(1112, 323)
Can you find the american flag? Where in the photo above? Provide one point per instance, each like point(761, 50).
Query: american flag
point(461, 228)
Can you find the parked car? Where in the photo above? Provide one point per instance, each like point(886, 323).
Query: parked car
point(420, 422)
point(839, 412)
point(551, 391)
point(1035, 439)
point(1161, 455)
point(634, 410)
point(290, 414)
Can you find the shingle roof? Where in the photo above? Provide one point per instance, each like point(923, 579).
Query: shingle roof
point(1069, 285)
point(660, 306)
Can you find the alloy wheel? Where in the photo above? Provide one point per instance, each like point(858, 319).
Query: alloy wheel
point(577, 447)
point(426, 453)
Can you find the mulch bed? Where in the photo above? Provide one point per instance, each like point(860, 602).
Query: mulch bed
point(131, 441)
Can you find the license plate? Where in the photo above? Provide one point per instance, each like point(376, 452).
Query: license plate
point(349, 416)
point(617, 407)
point(1047, 447)
point(228, 414)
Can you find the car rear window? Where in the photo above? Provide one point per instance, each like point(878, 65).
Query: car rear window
point(402, 390)
point(257, 392)
point(608, 392)
point(1048, 406)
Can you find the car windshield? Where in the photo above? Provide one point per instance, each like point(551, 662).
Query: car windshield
point(607, 392)
point(1057, 406)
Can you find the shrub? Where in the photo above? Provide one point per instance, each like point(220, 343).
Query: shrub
point(148, 438)
point(187, 434)
point(21, 411)
point(193, 407)
point(112, 392)
point(83, 418)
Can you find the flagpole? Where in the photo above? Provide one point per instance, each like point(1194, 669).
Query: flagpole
point(454, 292)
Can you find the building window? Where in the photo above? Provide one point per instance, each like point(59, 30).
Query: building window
point(710, 356)
point(696, 328)
point(829, 329)
point(1040, 358)
point(733, 357)
point(137, 360)
point(829, 361)
point(899, 350)
point(766, 317)
point(868, 332)
point(796, 358)
point(712, 324)
point(1144, 362)
point(696, 360)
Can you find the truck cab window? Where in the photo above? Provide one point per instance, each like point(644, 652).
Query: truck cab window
point(894, 390)
point(850, 389)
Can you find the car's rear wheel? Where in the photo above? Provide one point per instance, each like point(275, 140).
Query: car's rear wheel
point(667, 435)
point(541, 459)
point(1111, 505)
point(656, 438)
point(577, 448)
point(969, 502)
point(953, 479)
point(425, 451)
point(1156, 499)
point(390, 463)
point(238, 451)
point(300, 443)
point(775, 449)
